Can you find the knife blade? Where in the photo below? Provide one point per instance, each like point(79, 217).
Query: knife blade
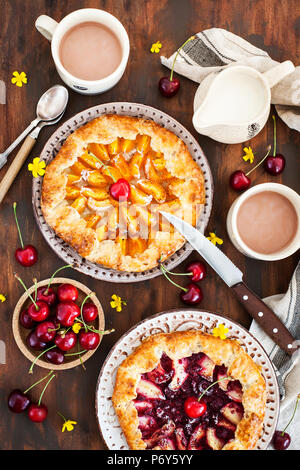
point(233, 277)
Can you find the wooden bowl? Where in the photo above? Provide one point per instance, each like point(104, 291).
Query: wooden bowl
point(20, 333)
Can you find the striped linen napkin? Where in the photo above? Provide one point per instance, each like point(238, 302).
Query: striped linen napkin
point(215, 48)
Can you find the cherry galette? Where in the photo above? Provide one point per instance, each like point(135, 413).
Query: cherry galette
point(190, 391)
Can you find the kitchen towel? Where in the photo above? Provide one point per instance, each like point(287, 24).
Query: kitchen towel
point(214, 49)
point(287, 307)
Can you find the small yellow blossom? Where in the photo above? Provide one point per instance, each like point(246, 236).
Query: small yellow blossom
point(220, 331)
point(117, 302)
point(249, 155)
point(156, 47)
point(2, 298)
point(19, 78)
point(37, 167)
point(68, 425)
point(214, 239)
point(76, 327)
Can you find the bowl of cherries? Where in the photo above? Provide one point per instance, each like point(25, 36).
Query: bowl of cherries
point(58, 323)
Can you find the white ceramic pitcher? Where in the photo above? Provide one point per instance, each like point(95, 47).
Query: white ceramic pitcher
point(233, 105)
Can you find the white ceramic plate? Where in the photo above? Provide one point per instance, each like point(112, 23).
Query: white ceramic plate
point(67, 253)
point(165, 323)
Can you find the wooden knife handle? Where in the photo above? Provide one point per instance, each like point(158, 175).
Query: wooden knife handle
point(267, 319)
point(15, 166)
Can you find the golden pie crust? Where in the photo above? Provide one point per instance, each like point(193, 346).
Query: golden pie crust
point(178, 345)
point(160, 170)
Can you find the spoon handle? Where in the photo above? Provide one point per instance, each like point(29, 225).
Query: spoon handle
point(15, 166)
point(4, 155)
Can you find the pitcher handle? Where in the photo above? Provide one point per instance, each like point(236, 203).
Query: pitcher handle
point(46, 26)
point(277, 73)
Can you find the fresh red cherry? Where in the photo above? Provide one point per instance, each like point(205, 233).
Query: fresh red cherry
point(38, 311)
point(239, 181)
point(45, 331)
point(18, 401)
point(89, 340)
point(26, 256)
point(67, 292)
point(46, 294)
point(26, 321)
point(168, 87)
point(198, 269)
point(89, 312)
point(33, 342)
point(281, 440)
point(192, 294)
point(275, 165)
point(194, 408)
point(66, 312)
point(65, 340)
point(37, 413)
point(55, 356)
point(120, 190)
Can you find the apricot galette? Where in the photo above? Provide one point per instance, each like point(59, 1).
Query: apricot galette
point(190, 390)
point(103, 191)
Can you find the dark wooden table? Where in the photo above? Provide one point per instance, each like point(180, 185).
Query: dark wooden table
point(273, 26)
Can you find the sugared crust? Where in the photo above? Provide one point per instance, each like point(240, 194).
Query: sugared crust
point(182, 344)
point(66, 221)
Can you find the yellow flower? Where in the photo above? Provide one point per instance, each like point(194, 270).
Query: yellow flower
point(248, 154)
point(2, 298)
point(117, 302)
point(76, 327)
point(19, 78)
point(156, 47)
point(37, 167)
point(220, 331)
point(214, 239)
point(68, 425)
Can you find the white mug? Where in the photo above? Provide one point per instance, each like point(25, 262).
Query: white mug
point(222, 129)
point(233, 232)
point(54, 32)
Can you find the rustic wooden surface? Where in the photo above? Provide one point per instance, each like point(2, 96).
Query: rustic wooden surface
point(274, 26)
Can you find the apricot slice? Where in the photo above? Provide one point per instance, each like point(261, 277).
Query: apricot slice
point(80, 204)
point(111, 173)
point(123, 167)
point(72, 179)
point(135, 164)
point(91, 160)
point(72, 192)
point(114, 147)
point(92, 220)
point(150, 170)
point(100, 151)
point(96, 178)
point(96, 193)
point(154, 189)
point(136, 246)
point(143, 143)
point(137, 196)
point(127, 145)
point(79, 167)
point(99, 205)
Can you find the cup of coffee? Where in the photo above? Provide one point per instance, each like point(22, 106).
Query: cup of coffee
point(90, 49)
point(264, 222)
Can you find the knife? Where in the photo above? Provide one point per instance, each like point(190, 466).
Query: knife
point(233, 277)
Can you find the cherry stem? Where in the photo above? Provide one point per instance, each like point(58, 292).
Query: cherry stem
point(44, 389)
point(81, 310)
point(17, 223)
point(188, 40)
point(77, 353)
point(53, 275)
point(211, 385)
point(176, 274)
point(37, 357)
point(164, 271)
point(275, 137)
point(26, 290)
point(91, 328)
point(38, 382)
point(261, 161)
point(62, 416)
point(35, 288)
point(105, 166)
point(292, 417)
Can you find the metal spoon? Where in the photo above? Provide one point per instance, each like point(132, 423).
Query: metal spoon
point(51, 105)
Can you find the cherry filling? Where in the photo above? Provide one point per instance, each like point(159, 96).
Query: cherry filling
point(162, 393)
